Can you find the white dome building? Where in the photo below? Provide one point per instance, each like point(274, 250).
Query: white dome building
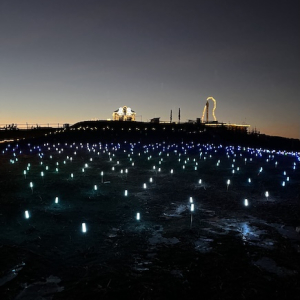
point(124, 114)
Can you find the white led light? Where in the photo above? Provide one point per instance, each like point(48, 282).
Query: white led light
point(83, 227)
point(192, 207)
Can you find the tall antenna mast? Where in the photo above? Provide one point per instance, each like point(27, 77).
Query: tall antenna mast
point(207, 106)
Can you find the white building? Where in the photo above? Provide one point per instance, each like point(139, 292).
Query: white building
point(124, 114)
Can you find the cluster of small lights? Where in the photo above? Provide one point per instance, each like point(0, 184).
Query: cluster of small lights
point(184, 157)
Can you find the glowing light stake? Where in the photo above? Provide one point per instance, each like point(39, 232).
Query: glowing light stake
point(260, 170)
point(200, 181)
point(83, 227)
point(283, 183)
point(56, 200)
point(31, 186)
point(144, 185)
point(228, 182)
point(102, 176)
point(26, 214)
point(24, 172)
point(138, 216)
point(172, 171)
point(72, 176)
point(267, 194)
point(249, 180)
point(151, 179)
point(192, 210)
point(126, 193)
point(95, 187)
point(192, 207)
point(288, 179)
point(82, 170)
point(191, 199)
point(246, 202)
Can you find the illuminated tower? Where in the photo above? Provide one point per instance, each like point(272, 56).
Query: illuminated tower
point(206, 107)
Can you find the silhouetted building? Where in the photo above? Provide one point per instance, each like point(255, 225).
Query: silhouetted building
point(155, 120)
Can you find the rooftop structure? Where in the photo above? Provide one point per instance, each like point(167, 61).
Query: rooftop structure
point(124, 114)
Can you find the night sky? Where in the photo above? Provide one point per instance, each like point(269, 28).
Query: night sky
point(65, 61)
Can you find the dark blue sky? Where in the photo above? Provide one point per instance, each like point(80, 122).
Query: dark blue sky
point(67, 61)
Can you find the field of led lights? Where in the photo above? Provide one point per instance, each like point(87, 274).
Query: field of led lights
point(148, 220)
